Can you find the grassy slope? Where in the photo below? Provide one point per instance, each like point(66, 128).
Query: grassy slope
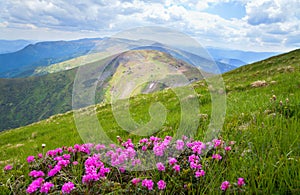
point(267, 136)
point(23, 101)
point(27, 100)
point(69, 64)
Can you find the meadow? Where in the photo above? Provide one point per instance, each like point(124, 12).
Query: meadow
point(261, 128)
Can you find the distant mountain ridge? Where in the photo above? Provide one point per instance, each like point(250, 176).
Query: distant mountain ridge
point(201, 62)
point(234, 62)
point(9, 46)
point(244, 56)
point(24, 62)
point(21, 63)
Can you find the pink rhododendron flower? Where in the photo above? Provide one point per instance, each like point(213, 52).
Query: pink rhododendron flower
point(70, 149)
point(195, 165)
point(85, 148)
point(225, 185)
point(217, 143)
point(161, 184)
point(67, 156)
point(112, 145)
point(144, 140)
point(196, 146)
point(166, 141)
point(154, 139)
point(199, 173)
point(35, 185)
point(148, 183)
point(8, 167)
point(51, 153)
point(241, 181)
point(58, 158)
point(100, 147)
point(128, 144)
point(227, 148)
point(67, 188)
point(63, 163)
point(184, 137)
point(217, 156)
point(135, 181)
point(77, 147)
point(172, 161)
point(176, 168)
point(54, 171)
point(136, 162)
point(94, 169)
point(30, 159)
point(193, 158)
point(59, 150)
point(40, 155)
point(122, 169)
point(160, 166)
point(159, 150)
point(36, 173)
point(179, 145)
point(46, 187)
point(144, 148)
point(75, 163)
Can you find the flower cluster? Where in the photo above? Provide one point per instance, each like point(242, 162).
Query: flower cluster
point(94, 169)
point(35, 185)
point(98, 166)
point(67, 188)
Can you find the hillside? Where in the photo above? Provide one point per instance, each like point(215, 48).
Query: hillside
point(262, 119)
point(27, 100)
point(23, 62)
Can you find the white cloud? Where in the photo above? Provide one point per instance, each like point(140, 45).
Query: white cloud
point(268, 24)
point(272, 11)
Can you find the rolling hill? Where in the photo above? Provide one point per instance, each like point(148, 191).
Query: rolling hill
point(27, 100)
point(262, 120)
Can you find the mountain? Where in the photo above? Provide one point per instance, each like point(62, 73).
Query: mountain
point(21, 63)
point(27, 100)
point(202, 62)
point(9, 46)
point(261, 127)
point(46, 57)
point(233, 62)
point(243, 56)
point(53, 56)
point(108, 44)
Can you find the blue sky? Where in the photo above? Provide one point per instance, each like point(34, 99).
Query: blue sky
point(227, 10)
point(257, 25)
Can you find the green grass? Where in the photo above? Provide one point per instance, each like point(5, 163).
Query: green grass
point(27, 100)
point(267, 135)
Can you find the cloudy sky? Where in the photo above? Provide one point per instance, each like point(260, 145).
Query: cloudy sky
point(257, 25)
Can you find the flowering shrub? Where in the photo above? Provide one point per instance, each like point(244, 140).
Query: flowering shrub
point(99, 169)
